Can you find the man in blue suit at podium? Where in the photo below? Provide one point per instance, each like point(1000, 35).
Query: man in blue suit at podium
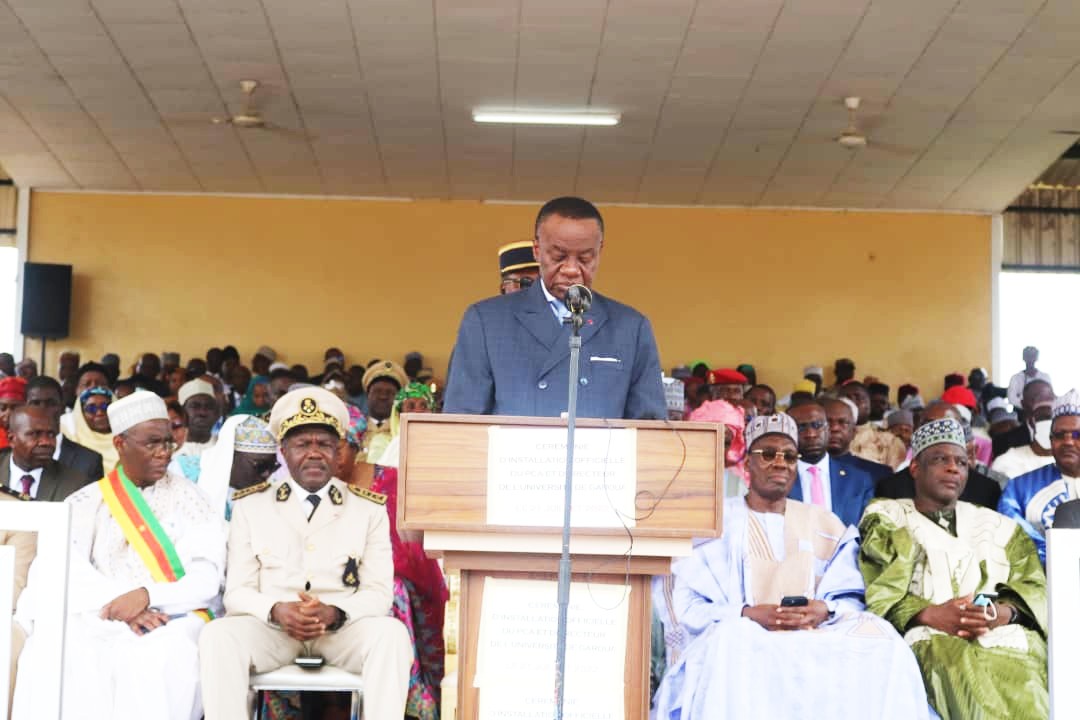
point(838, 484)
point(512, 355)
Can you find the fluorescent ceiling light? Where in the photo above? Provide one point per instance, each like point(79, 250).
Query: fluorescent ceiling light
point(532, 117)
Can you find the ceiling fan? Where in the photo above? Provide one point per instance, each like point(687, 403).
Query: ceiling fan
point(853, 138)
point(250, 118)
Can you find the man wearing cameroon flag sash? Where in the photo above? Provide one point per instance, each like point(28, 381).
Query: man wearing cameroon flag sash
point(311, 571)
point(147, 563)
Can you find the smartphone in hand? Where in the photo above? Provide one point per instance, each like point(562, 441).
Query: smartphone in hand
point(794, 601)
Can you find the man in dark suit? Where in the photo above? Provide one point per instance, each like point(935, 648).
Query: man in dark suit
point(512, 352)
point(28, 467)
point(841, 414)
point(44, 392)
point(980, 490)
point(836, 484)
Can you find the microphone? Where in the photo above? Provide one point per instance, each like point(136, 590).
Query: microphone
point(578, 299)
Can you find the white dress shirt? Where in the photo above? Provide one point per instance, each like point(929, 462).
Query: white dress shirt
point(823, 473)
point(302, 496)
point(17, 473)
point(1017, 383)
point(558, 307)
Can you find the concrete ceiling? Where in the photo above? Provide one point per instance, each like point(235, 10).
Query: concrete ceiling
point(722, 101)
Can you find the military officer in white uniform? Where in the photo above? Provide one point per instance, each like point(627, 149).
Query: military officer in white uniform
point(310, 572)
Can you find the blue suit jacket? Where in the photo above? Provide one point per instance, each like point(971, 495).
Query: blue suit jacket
point(851, 485)
point(512, 357)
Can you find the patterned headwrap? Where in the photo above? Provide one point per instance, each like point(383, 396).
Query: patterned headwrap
point(354, 433)
point(1067, 404)
point(779, 424)
point(936, 432)
point(414, 390)
point(723, 412)
point(91, 392)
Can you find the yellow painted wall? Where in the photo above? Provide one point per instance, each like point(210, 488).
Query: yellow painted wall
point(908, 296)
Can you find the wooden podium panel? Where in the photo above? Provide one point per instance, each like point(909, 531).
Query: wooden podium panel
point(443, 475)
point(443, 490)
point(638, 641)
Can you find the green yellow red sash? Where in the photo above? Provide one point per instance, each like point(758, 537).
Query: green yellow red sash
point(141, 529)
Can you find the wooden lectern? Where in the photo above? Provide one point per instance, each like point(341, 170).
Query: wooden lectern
point(443, 490)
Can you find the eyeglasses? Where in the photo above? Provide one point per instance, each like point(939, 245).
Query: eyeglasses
point(96, 408)
point(522, 283)
point(164, 445)
point(265, 468)
point(769, 455)
point(812, 425)
point(1064, 434)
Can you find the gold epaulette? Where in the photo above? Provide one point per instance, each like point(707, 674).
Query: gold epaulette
point(23, 496)
point(377, 498)
point(251, 490)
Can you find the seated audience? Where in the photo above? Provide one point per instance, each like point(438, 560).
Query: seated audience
point(726, 384)
point(870, 441)
point(764, 399)
point(834, 661)
point(202, 410)
point(245, 455)
point(256, 401)
point(44, 392)
point(927, 560)
point(12, 395)
point(382, 381)
point(28, 467)
point(1023, 459)
point(841, 414)
point(901, 423)
point(734, 422)
point(1031, 499)
point(147, 562)
point(88, 424)
point(1036, 394)
point(978, 489)
point(420, 591)
point(836, 485)
point(26, 369)
point(282, 603)
point(177, 423)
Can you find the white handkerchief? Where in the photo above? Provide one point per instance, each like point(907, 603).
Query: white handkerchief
point(597, 358)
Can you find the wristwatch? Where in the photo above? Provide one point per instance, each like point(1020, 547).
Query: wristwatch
point(340, 622)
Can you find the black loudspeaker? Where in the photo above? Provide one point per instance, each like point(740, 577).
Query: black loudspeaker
point(46, 301)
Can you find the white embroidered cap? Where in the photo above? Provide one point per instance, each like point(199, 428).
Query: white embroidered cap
point(138, 407)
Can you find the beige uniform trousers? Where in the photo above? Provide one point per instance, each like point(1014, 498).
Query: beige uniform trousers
point(376, 648)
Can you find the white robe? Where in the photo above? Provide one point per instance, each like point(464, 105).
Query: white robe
point(110, 673)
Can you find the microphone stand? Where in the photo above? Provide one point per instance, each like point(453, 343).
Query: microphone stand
point(576, 320)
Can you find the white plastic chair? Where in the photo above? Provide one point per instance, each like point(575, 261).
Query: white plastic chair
point(52, 523)
point(1063, 585)
point(325, 679)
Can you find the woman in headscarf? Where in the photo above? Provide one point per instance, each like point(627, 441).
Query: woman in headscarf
point(352, 460)
point(420, 591)
point(733, 418)
point(91, 425)
point(256, 400)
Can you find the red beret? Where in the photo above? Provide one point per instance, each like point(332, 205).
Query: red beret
point(13, 388)
point(959, 395)
point(726, 376)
